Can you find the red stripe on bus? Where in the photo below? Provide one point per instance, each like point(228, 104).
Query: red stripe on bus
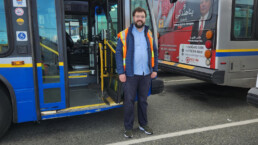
point(213, 59)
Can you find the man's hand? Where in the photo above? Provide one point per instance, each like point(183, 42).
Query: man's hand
point(153, 75)
point(122, 78)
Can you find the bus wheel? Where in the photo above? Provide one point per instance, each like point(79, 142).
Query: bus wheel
point(5, 112)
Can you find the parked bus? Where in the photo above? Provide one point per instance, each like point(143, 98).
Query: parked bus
point(212, 40)
point(57, 57)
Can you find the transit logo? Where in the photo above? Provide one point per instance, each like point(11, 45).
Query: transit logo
point(189, 59)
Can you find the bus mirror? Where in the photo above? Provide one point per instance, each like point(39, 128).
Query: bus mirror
point(173, 1)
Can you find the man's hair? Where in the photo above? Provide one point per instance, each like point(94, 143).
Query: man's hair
point(139, 9)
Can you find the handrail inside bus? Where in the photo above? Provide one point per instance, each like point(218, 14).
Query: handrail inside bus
point(48, 48)
point(111, 48)
point(101, 67)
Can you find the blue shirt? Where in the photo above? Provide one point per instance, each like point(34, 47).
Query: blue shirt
point(141, 66)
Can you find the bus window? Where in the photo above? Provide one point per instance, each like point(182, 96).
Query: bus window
point(102, 21)
point(113, 24)
point(143, 4)
point(165, 14)
point(48, 41)
point(243, 18)
point(108, 21)
point(77, 28)
point(3, 30)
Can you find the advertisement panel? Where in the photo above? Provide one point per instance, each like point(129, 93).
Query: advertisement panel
point(183, 26)
point(193, 55)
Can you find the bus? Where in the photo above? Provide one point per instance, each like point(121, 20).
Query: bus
point(57, 57)
point(212, 40)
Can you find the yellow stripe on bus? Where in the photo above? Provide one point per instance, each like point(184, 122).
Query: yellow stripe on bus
point(82, 76)
point(75, 72)
point(61, 63)
point(237, 50)
point(169, 63)
point(39, 64)
point(86, 106)
point(15, 66)
point(185, 66)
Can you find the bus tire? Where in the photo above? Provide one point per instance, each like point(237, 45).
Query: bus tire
point(157, 86)
point(5, 112)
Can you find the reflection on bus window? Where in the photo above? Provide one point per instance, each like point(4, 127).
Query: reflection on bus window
point(77, 27)
point(143, 4)
point(3, 30)
point(243, 18)
point(165, 13)
point(48, 40)
point(113, 13)
point(102, 20)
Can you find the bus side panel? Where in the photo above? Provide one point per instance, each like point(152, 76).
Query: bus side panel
point(237, 57)
point(22, 82)
point(170, 43)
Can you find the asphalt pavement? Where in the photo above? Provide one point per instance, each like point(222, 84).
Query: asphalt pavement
point(186, 104)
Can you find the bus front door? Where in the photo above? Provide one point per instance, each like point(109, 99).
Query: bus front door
point(49, 54)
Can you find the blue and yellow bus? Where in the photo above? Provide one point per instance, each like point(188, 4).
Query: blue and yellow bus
point(57, 57)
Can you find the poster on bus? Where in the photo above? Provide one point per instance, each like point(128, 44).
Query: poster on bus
point(185, 23)
point(193, 55)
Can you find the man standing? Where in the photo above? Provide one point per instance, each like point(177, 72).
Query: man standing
point(137, 64)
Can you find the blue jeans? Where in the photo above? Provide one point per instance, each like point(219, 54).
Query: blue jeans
point(136, 85)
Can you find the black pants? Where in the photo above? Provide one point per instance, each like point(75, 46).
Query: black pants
point(136, 85)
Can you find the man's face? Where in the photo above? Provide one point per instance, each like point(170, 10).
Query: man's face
point(139, 19)
point(205, 6)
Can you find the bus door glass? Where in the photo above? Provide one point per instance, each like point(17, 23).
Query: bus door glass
point(3, 30)
point(50, 63)
point(143, 4)
point(108, 25)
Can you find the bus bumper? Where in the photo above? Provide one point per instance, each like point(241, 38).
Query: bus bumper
point(252, 97)
point(209, 75)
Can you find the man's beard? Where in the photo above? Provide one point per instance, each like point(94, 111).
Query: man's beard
point(139, 26)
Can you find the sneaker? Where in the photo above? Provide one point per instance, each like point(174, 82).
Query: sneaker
point(146, 129)
point(128, 133)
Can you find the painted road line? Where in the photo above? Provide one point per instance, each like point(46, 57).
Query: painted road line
point(186, 132)
point(183, 80)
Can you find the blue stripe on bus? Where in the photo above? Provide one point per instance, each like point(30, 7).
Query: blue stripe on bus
point(79, 112)
point(226, 54)
point(22, 82)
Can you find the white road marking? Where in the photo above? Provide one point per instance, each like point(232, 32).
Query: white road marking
point(183, 80)
point(186, 132)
